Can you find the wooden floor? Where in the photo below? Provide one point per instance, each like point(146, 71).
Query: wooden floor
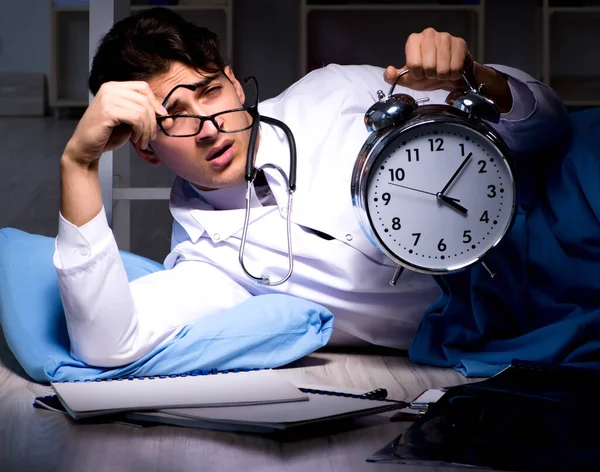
point(36, 440)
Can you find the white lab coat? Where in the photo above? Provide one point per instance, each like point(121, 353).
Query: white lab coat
point(112, 322)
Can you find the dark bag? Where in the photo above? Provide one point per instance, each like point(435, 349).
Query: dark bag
point(527, 418)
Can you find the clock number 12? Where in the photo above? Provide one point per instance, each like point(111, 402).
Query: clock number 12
point(436, 144)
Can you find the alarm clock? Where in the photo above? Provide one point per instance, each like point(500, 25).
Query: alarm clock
point(432, 185)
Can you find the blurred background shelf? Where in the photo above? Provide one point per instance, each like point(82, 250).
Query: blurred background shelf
point(577, 91)
point(570, 62)
point(69, 43)
point(368, 32)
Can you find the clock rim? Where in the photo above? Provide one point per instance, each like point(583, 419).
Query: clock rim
point(371, 151)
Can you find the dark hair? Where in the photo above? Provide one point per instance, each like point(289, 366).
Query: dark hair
point(144, 45)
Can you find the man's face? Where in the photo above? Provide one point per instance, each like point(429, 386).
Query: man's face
point(211, 159)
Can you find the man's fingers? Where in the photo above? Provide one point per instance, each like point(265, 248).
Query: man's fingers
point(413, 56)
point(136, 116)
point(435, 60)
point(390, 75)
point(429, 55)
point(127, 117)
point(443, 56)
point(167, 123)
point(143, 116)
point(158, 107)
point(149, 118)
point(457, 61)
point(148, 115)
point(142, 87)
point(152, 103)
point(146, 109)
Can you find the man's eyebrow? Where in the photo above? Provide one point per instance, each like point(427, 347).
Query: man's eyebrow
point(206, 80)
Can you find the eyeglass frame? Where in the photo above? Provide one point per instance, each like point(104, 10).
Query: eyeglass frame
point(252, 110)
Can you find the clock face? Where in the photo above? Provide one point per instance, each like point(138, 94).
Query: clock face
point(439, 196)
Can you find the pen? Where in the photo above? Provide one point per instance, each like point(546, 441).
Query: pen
point(377, 394)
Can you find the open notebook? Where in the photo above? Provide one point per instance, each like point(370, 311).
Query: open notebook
point(257, 401)
point(104, 397)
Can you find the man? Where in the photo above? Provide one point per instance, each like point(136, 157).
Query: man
point(155, 56)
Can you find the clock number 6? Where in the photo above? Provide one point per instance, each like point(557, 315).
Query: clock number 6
point(442, 245)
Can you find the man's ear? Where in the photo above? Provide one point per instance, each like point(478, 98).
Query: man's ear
point(147, 154)
point(236, 84)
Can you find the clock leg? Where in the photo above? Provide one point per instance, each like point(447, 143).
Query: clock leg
point(487, 267)
point(397, 275)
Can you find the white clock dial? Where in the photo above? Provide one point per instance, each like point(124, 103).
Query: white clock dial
point(439, 196)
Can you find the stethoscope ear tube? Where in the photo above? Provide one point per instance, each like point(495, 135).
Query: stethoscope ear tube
point(292, 145)
point(250, 170)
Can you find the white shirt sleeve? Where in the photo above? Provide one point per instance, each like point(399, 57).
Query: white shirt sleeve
point(75, 245)
point(112, 322)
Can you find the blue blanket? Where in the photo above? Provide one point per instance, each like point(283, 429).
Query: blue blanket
point(544, 304)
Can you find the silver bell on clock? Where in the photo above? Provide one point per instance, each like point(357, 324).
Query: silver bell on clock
point(432, 185)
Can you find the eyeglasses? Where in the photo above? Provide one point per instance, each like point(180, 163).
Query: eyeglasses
point(232, 121)
point(184, 126)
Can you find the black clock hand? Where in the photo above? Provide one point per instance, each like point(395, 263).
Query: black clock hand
point(423, 191)
point(451, 202)
point(462, 165)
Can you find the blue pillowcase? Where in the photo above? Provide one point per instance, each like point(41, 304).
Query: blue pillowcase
point(263, 332)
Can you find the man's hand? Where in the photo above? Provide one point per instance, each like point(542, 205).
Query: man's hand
point(437, 60)
point(119, 111)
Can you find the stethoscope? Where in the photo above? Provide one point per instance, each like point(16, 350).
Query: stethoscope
point(250, 175)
